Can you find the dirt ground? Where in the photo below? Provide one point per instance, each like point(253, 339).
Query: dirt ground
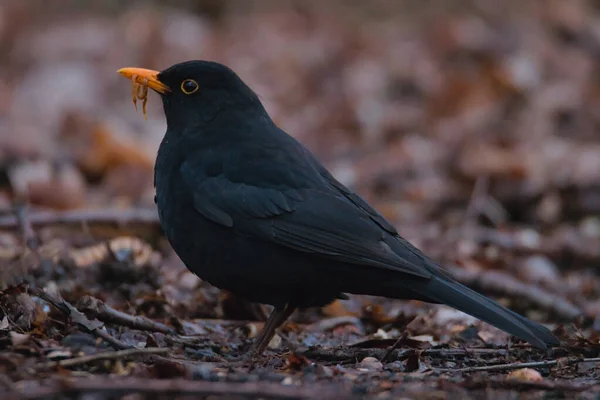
point(474, 126)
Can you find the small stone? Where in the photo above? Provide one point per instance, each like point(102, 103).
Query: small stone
point(287, 381)
point(466, 248)
point(590, 227)
point(523, 71)
point(253, 330)
point(370, 364)
point(381, 334)
point(326, 372)
point(492, 253)
point(275, 343)
point(396, 366)
point(188, 281)
point(529, 238)
point(549, 208)
point(540, 268)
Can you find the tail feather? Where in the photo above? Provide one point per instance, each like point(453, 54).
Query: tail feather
point(470, 302)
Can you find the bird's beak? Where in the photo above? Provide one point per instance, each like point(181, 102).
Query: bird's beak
point(145, 77)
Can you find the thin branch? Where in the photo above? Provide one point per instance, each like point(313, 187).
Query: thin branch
point(29, 237)
point(393, 347)
point(108, 355)
point(476, 201)
point(95, 308)
point(512, 366)
point(349, 354)
point(112, 341)
point(17, 272)
point(177, 387)
point(79, 318)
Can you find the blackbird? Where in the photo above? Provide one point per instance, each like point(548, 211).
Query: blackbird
point(251, 210)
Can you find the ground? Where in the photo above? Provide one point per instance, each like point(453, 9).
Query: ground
point(473, 126)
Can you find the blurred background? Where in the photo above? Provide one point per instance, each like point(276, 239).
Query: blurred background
point(409, 102)
point(473, 125)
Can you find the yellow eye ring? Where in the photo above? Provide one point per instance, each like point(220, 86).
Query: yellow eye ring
point(189, 86)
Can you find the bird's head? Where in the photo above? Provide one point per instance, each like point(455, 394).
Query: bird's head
point(194, 92)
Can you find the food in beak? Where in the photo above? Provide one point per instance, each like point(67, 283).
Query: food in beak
point(141, 80)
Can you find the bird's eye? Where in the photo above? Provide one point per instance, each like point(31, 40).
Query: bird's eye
point(189, 86)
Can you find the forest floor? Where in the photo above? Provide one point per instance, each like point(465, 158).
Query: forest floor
point(473, 128)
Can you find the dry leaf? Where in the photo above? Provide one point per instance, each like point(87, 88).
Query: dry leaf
point(525, 375)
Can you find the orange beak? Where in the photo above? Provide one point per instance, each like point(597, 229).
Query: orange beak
point(145, 77)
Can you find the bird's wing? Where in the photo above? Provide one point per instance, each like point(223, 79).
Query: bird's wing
point(309, 220)
point(398, 243)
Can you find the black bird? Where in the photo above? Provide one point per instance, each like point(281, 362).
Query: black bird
point(249, 209)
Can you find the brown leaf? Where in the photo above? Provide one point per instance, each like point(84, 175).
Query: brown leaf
point(525, 375)
point(97, 149)
point(19, 339)
point(296, 362)
point(339, 308)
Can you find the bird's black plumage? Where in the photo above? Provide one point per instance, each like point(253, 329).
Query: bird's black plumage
point(249, 209)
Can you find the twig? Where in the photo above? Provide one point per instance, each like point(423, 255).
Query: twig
point(177, 387)
point(6, 382)
point(482, 203)
point(501, 283)
point(17, 272)
point(393, 347)
point(107, 355)
point(95, 308)
point(112, 341)
point(511, 366)
point(30, 239)
point(79, 318)
point(106, 216)
point(478, 197)
point(350, 354)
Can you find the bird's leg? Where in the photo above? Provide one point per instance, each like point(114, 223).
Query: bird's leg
point(278, 316)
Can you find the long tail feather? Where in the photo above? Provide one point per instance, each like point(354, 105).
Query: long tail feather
point(470, 302)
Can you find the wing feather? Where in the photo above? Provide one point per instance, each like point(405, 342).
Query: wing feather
point(320, 222)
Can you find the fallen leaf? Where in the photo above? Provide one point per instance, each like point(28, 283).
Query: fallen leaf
point(525, 375)
point(19, 339)
point(4, 324)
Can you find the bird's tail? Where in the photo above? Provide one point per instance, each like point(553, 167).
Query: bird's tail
point(462, 298)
